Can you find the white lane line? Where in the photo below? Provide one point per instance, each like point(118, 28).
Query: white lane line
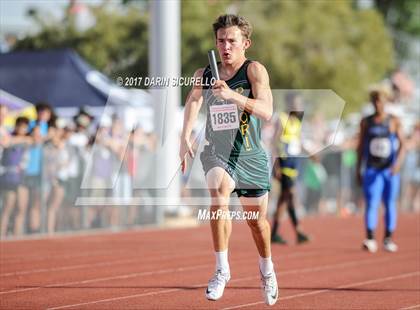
point(125, 276)
point(117, 298)
point(91, 265)
point(355, 284)
point(102, 253)
point(26, 272)
point(341, 265)
point(81, 266)
point(411, 307)
point(31, 258)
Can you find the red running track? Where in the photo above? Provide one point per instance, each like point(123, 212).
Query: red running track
point(169, 269)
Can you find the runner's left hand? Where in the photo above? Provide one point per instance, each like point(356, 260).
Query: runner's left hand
point(395, 169)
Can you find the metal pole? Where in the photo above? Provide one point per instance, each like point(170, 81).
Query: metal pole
point(164, 62)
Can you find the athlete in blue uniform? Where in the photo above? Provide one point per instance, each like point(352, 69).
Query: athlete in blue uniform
point(381, 151)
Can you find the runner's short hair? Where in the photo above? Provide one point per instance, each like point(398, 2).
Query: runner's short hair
point(375, 95)
point(230, 20)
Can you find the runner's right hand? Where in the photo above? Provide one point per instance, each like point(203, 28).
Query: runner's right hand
point(184, 150)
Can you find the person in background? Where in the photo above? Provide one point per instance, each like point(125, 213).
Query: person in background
point(4, 133)
point(57, 162)
point(99, 171)
point(77, 141)
point(285, 167)
point(411, 194)
point(11, 176)
point(381, 150)
point(121, 190)
point(138, 157)
point(4, 138)
point(314, 177)
point(45, 117)
point(32, 186)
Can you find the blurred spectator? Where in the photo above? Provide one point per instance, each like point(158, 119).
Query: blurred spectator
point(77, 143)
point(45, 117)
point(31, 187)
point(137, 167)
point(57, 158)
point(411, 172)
point(402, 85)
point(12, 166)
point(351, 198)
point(82, 120)
point(4, 133)
point(99, 173)
point(121, 190)
point(314, 178)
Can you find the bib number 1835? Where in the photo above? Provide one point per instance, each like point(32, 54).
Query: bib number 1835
point(224, 117)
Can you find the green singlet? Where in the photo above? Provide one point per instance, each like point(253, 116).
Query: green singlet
point(237, 150)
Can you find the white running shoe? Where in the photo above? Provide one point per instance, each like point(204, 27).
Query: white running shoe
point(370, 245)
point(390, 245)
point(269, 288)
point(217, 285)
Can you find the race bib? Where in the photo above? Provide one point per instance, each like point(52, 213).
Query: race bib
point(224, 117)
point(294, 148)
point(380, 147)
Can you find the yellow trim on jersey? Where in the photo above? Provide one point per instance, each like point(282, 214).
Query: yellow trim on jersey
point(291, 127)
point(290, 172)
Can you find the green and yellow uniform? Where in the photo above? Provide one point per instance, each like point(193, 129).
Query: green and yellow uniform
point(237, 150)
point(288, 148)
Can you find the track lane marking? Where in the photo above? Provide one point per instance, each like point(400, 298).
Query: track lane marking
point(295, 271)
point(355, 284)
point(291, 255)
point(411, 307)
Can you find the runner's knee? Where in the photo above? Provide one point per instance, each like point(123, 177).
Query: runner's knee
point(257, 225)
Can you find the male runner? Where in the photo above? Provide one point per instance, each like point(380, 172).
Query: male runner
point(233, 159)
point(381, 148)
point(288, 141)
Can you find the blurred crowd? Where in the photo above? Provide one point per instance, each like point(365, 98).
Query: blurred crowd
point(52, 161)
point(48, 162)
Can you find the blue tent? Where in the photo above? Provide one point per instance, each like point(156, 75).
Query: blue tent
point(55, 76)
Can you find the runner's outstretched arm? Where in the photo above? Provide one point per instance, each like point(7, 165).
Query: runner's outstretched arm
point(192, 107)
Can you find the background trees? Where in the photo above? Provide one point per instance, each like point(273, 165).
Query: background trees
point(304, 44)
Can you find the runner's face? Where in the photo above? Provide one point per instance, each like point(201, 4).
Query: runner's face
point(379, 105)
point(231, 44)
